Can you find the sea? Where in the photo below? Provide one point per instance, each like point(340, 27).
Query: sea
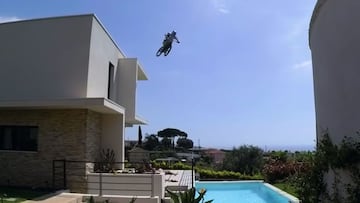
point(266, 148)
point(291, 148)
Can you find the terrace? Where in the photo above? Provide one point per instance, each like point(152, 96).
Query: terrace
point(136, 181)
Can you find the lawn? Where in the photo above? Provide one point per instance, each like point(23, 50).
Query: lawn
point(11, 194)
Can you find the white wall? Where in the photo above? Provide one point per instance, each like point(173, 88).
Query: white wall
point(126, 92)
point(44, 59)
point(335, 46)
point(127, 184)
point(102, 52)
point(113, 135)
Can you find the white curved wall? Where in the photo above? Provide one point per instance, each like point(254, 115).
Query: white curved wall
point(335, 46)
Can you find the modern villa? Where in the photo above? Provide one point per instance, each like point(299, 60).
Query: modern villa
point(67, 92)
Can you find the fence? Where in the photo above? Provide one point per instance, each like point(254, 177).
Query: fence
point(136, 179)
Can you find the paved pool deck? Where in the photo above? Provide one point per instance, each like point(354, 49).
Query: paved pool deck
point(178, 180)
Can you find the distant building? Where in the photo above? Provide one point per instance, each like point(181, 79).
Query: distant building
point(130, 143)
point(188, 156)
point(139, 155)
point(217, 155)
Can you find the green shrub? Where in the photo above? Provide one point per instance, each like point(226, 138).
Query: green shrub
point(206, 173)
point(181, 166)
point(226, 175)
point(278, 170)
point(188, 196)
point(310, 184)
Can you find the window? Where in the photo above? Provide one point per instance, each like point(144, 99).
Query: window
point(19, 138)
point(110, 82)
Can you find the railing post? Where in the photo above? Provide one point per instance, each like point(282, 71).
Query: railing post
point(64, 168)
point(192, 172)
point(152, 185)
point(53, 174)
point(100, 184)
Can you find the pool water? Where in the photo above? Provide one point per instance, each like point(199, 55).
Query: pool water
point(242, 192)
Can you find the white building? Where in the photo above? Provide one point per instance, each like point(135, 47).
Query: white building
point(334, 37)
point(66, 92)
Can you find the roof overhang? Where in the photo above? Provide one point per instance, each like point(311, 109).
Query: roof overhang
point(141, 75)
point(101, 105)
point(136, 121)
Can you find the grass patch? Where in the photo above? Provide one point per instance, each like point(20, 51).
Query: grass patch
point(14, 194)
point(287, 187)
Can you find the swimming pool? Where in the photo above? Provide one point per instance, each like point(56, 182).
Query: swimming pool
point(244, 191)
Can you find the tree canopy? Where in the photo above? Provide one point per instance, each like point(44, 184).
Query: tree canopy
point(185, 143)
point(165, 140)
point(171, 133)
point(151, 142)
point(245, 159)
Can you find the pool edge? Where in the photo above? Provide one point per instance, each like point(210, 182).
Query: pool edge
point(292, 198)
point(233, 181)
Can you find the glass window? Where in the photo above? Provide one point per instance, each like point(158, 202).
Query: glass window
point(19, 138)
point(111, 82)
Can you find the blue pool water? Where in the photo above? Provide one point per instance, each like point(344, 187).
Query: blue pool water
point(240, 192)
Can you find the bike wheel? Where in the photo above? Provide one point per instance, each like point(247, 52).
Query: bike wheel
point(167, 51)
point(158, 53)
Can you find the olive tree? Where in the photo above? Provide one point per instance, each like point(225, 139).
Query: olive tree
point(244, 159)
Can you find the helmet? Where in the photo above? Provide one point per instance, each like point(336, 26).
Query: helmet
point(173, 32)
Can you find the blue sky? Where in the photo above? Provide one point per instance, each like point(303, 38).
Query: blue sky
point(241, 75)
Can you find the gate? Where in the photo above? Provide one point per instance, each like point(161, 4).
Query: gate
point(59, 174)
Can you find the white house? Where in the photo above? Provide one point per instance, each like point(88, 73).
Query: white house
point(67, 91)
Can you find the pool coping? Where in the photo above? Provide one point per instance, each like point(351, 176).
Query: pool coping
point(292, 198)
point(233, 181)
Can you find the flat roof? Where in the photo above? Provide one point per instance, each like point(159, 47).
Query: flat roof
point(69, 16)
point(100, 105)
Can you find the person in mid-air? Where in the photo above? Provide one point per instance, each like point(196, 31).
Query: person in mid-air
point(169, 38)
point(167, 43)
